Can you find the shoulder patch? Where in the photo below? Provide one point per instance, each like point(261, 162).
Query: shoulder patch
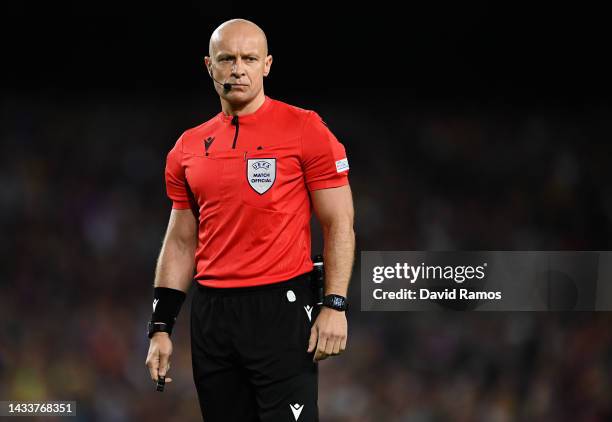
point(342, 165)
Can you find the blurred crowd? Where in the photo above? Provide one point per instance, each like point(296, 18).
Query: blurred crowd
point(83, 212)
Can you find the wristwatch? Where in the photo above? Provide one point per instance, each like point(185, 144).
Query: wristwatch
point(336, 302)
point(156, 327)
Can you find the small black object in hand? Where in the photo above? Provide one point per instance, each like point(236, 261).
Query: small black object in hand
point(161, 382)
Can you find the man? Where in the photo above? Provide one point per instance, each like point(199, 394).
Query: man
point(242, 186)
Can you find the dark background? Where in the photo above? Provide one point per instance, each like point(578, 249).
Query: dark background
point(467, 127)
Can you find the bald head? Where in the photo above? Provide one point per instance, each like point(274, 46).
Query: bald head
point(238, 30)
point(238, 55)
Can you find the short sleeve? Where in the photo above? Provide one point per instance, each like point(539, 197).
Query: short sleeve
point(176, 185)
point(323, 157)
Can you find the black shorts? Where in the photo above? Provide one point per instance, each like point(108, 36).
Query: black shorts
point(249, 352)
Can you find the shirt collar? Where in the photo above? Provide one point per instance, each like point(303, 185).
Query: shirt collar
point(251, 117)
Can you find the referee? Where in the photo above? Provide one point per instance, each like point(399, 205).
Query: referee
point(243, 186)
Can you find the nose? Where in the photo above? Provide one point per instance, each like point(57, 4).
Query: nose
point(237, 70)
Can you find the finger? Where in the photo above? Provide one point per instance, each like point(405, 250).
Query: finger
point(343, 344)
point(329, 346)
point(153, 365)
point(336, 348)
point(312, 341)
point(321, 344)
point(320, 356)
point(163, 364)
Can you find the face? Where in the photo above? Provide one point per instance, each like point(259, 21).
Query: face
point(239, 56)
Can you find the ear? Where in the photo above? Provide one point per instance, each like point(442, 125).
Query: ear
point(208, 65)
point(267, 65)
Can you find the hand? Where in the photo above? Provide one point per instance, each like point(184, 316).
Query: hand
point(328, 334)
point(158, 358)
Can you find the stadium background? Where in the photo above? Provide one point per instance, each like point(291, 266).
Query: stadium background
point(466, 128)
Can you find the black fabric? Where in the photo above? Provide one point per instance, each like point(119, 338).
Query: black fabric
point(167, 305)
point(249, 352)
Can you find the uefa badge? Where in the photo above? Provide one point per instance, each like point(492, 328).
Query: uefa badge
point(261, 173)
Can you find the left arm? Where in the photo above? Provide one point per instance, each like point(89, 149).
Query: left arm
point(334, 209)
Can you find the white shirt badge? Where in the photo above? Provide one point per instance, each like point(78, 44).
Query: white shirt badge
point(261, 173)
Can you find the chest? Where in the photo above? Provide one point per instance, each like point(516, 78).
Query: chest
point(263, 173)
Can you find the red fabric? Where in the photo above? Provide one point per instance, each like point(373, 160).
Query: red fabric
point(249, 238)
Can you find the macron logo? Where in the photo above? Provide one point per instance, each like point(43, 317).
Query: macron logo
point(297, 410)
point(308, 310)
point(155, 304)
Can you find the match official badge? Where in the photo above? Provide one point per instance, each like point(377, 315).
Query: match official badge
point(261, 173)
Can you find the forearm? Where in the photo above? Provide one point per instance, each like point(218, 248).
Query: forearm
point(175, 265)
point(338, 255)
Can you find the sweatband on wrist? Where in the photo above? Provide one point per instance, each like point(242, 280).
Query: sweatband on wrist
point(167, 304)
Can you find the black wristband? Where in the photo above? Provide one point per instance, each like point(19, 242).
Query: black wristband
point(167, 304)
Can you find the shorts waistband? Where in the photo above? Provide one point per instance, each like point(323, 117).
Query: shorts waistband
point(295, 282)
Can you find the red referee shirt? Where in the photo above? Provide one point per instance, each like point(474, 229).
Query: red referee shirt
point(249, 177)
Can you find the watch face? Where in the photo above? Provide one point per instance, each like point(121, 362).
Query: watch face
point(335, 302)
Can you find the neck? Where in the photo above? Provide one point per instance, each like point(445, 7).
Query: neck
point(230, 109)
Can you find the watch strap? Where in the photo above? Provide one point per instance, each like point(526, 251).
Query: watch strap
point(157, 327)
point(336, 302)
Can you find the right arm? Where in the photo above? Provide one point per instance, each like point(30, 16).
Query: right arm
point(175, 269)
point(176, 262)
